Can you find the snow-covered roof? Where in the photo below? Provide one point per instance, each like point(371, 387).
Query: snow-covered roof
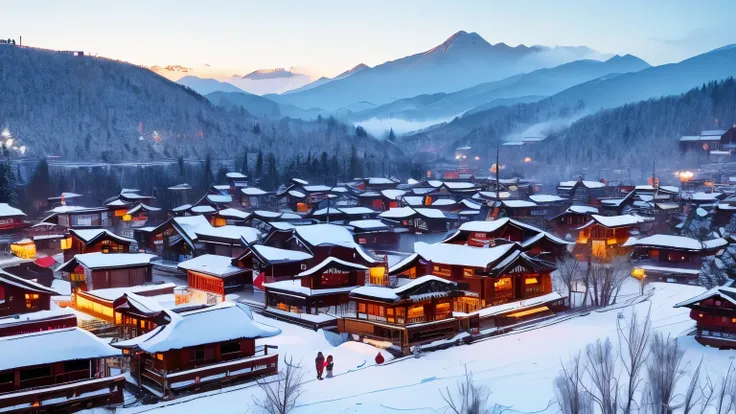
point(726, 292)
point(404, 212)
point(380, 180)
point(224, 322)
point(444, 202)
point(587, 184)
point(462, 255)
point(221, 187)
point(192, 224)
point(392, 194)
point(491, 194)
point(89, 235)
point(76, 209)
point(183, 186)
point(295, 286)
point(583, 209)
point(546, 198)
point(183, 207)
point(317, 188)
point(701, 196)
point(230, 232)
point(144, 207)
point(110, 294)
point(368, 194)
point(274, 254)
point(331, 261)
point(99, 260)
point(458, 185)
point(7, 211)
point(518, 203)
point(117, 203)
point(235, 175)
point(252, 191)
point(211, 264)
point(220, 198)
point(368, 224)
point(300, 181)
point(470, 204)
point(357, 211)
point(11, 279)
point(317, 234)
point(268, 214)
point(679, 242)
point(339, 189)
point(394, 294)
point(233, 213)
point(691, 138)
point(617, 221)
point(414, 200)
point(203, 209)
point(56, 345)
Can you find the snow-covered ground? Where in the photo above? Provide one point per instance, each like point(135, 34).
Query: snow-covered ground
point(517, 368)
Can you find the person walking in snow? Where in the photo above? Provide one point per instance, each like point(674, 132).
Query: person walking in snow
point(319, 363)
point(329, 364)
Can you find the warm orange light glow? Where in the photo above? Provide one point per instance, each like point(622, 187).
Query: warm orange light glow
point(686, 175)
point(127, 217)
point(528, 159)
point(528, 312)
point(638, 273)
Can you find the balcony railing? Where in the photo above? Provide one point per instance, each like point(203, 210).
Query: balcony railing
point(98, 391)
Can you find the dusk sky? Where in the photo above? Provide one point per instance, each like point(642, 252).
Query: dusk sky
point(328, 37)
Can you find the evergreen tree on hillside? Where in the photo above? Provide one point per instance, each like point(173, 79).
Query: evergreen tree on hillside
point(244, 164)
point(360, 132)
point(258, 174)
point(272, 177)
point(39, 187)
point(221, 175)
point(325, 167)
point(8, 186)
point(206, 173)
point(391, 135)
point(355, 169)
point(180, 163)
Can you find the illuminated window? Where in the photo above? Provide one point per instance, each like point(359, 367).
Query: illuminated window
point(502, 284)
point(361, 307)
point(416, 313)
point(531, 281)
point(390, 315)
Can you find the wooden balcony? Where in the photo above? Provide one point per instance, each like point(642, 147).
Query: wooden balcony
point(65, 397)
point(210, 376)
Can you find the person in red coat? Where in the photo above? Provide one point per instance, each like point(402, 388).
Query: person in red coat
point(319, 363)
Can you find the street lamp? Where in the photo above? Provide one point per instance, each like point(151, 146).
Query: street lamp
point(640, 274)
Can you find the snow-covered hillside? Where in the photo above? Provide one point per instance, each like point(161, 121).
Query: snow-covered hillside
point(518, 368)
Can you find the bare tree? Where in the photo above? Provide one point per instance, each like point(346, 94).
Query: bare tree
point(567, 271)
point(725, 401)
point(606, 280)
point(663, 372)
point(691, 395)
point(633, 351)
point(281, 394)
point(602, 372)
point(469, 398)
point(569, 389)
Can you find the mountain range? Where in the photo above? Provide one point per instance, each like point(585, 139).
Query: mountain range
point(92, 109)
point(463, 60)
point(259, 82)
point(550, 115)
point(528, 87)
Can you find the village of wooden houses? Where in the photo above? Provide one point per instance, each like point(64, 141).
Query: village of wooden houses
point(142, 305)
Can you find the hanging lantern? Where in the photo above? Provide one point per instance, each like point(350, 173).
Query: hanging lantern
point(127, 217)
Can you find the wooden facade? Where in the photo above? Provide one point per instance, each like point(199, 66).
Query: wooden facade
point(19, 296)
point(95, 240)
point(605, 237)
point(673, 258)
point(39, 380)
point(12, 219)
point(213, 276)
point(714, 313)
point(417, 312)
point(191, 354)
point(90, 271)
point(273, 263)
